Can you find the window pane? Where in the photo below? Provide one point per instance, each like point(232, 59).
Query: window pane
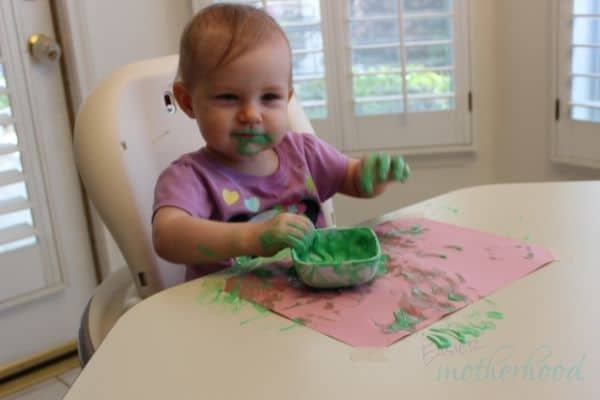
point(16, 218)
point(586, 90)
point(422, 29)
point(369, 8)
point(377, 85)
point(17, 244)
point(421, 105)
point(586, 60)
point(11, 162)
point(308, 64)
point(586, 6)
point(304, 37)
point(429, 56)
point(420, 6)
point(585, 114)
point(376, 108)
point(366, 60)
point(5, 106)
point(299, 11)
point(310, 90)
point(13, 191)
point(318, 112)
point(2, 77)
point(586, 30)
point(374, 32)
point(430, 82)
point(8, 135)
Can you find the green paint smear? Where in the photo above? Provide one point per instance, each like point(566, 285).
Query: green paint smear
point(495, 315)
point(296, 322)
point(377, 167)
point(403, 322)
point(455, 297)
point(413, 230)
point(251, 145)
point(440, 342)
point(206, 251)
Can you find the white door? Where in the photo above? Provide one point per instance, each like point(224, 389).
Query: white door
point(46, 270)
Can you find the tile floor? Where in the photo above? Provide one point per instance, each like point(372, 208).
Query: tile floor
point(51, 389)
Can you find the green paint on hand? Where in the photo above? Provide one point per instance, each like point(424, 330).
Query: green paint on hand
point(206, 251)
point(376, 169)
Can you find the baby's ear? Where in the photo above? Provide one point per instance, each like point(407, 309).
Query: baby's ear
point(184, 99)
point(290, 94)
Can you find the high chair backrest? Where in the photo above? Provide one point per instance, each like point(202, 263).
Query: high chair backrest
point(127, 131)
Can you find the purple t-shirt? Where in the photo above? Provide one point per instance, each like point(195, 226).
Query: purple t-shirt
point(310, 171)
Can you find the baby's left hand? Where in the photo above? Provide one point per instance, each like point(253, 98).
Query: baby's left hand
point(380, 168)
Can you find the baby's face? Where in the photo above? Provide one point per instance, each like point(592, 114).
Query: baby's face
point(241, 108)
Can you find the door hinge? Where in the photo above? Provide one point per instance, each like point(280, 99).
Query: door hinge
point(557, 109)
point(470, 101)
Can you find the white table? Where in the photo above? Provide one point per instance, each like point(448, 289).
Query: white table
point(172, 346)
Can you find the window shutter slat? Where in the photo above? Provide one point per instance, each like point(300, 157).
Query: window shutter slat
point(17, 232)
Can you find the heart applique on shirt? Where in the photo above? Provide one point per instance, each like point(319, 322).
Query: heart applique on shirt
point(252, 204)
point(230, 196)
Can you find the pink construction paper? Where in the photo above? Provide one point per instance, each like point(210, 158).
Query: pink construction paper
point(434, 269)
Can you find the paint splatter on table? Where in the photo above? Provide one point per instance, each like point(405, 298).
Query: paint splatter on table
point(434, 269)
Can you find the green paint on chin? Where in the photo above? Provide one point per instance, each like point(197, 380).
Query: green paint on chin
point(251, 142)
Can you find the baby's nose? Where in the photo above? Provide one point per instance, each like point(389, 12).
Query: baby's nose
point(249, 113)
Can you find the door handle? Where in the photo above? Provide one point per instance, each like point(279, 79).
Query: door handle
point(43, 48)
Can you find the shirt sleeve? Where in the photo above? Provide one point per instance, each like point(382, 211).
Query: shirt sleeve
point(327, 165)
point(180, 185)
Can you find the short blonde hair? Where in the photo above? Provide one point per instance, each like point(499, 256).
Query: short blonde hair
point(220, 33)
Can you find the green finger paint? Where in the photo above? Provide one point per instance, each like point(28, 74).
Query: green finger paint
point(495, 315)
point(206, 251)
point(310, 185)
point(384, 162)
point(456, 297)
point(251, 142)
point(296, 322)
point(458, 335)
point(440, 341)
point(403, 322)
point(367, 174)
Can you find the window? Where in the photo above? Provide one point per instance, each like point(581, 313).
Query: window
point(577, 134)
point(375, 74)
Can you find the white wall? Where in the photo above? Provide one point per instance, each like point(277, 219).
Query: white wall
point(526, 105)
point(511, 51)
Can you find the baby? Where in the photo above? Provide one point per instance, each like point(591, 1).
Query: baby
point(255, 187)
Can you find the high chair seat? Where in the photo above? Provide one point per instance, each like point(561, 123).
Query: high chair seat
point(126, 132)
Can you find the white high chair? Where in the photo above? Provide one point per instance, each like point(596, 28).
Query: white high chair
point(127, 131)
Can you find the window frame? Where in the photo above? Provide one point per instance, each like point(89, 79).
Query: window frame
point(573, 142)
point(425, 132)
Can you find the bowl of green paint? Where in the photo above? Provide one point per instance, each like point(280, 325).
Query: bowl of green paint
point(339, 257)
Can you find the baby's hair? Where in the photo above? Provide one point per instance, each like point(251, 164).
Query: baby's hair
point(220, 33)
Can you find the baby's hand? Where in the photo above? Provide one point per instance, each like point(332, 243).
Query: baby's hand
point(380, 168)
point(285, 230)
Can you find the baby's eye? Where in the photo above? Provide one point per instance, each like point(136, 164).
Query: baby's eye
point(226, 97)
point(271, 96)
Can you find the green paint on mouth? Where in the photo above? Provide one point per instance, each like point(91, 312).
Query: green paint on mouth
point(251, 142)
